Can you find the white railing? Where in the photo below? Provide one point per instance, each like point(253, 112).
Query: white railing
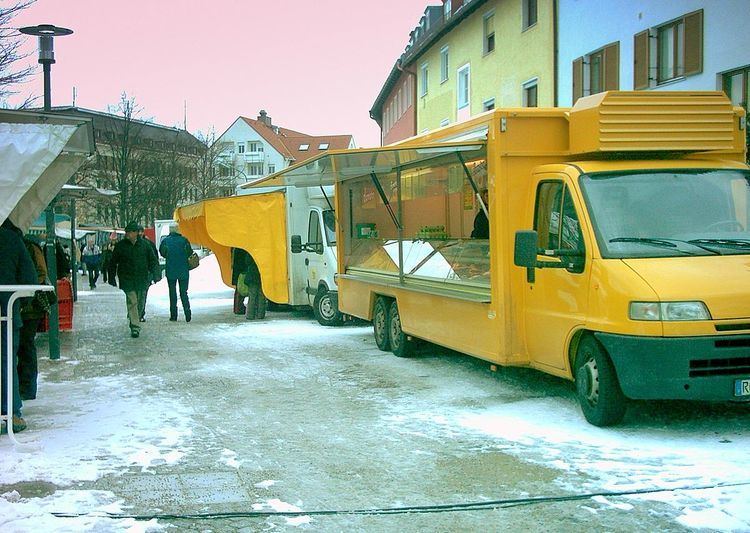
point(16, 292)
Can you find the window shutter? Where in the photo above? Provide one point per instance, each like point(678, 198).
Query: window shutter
point(694, 43)
point(612, 67)
point(641, 55)
point(577, 79)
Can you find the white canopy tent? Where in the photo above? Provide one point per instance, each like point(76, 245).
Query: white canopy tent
point(38, 154)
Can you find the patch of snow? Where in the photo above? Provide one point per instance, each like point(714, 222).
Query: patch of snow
point(266, 484)
point(112, 429)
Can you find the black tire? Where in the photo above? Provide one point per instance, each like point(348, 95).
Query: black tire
point(380, 324)
point(401, 345)
point(261, 305)
point(599, 393)
point(326, 308)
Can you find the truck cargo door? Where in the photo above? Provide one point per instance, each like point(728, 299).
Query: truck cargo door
point(556, 303)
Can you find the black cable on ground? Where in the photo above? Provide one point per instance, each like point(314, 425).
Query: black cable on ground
point(445, 508)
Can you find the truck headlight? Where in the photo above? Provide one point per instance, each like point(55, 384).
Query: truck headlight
point(669, 311)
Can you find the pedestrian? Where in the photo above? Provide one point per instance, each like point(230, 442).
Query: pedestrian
point(176, 249)
point(132, 262)
point(16, 268)
point(92, 256)
point(32, 314)
point(107, 255)
point(155, 275)
point(240, 261)
point(481, 223)
point(62, 260)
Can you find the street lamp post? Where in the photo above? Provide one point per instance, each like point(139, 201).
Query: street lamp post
point(46, 34)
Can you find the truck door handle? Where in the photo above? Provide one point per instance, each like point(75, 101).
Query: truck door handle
point(307, 261)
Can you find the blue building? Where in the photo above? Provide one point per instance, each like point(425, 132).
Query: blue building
point(653, 44)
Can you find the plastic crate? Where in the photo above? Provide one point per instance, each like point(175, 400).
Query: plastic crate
point(64, 307)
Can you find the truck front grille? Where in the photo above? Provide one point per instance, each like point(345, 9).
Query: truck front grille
point(729, 366)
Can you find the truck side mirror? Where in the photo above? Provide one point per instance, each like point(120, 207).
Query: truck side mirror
point(525, 252)
point(296, 244)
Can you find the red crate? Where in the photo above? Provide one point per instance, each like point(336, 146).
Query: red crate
point(64, 307)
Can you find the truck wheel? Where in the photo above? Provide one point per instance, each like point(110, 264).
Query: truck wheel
point(326, 308)
point(380, 325)
point(401, 346)
point(261, 305)
point(599, 393)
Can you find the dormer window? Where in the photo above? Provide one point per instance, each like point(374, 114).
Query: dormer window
point(447, 9)
point(304, 147)
point(323, 146)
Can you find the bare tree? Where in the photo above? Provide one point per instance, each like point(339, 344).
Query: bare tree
point(11, 72)
point(209, 181)
point(121, 162)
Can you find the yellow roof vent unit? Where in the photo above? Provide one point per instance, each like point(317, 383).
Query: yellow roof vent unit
point(651, 121)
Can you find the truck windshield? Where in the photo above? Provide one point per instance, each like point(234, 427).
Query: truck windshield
point(329, 222)
point(670, 213)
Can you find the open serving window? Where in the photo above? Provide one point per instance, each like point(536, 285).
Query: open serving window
point(406, 213)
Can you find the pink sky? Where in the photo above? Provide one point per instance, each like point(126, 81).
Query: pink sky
point(316, 66)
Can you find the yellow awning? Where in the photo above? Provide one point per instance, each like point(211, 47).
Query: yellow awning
point(341, 165)
point(255, 223)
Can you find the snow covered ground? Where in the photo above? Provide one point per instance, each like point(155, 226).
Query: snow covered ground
point(98, 418)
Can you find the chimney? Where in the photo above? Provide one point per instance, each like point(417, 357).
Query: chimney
point(264, 118)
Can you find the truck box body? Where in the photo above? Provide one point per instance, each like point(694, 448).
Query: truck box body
point(635, 209)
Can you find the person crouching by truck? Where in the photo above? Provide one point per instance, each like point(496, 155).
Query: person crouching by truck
point(132, 262)
point(176, 249)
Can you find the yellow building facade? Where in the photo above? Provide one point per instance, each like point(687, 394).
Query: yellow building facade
point(501, 55)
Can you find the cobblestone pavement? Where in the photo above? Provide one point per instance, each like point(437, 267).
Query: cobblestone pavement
point(283, 414)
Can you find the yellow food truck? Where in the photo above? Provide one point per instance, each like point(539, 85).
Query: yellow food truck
point(617, 254)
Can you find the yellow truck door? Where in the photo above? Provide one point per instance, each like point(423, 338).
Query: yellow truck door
point(556, 302)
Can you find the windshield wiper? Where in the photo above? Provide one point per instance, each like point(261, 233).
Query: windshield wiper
point(664, 242)
point(732, 243)
point(645, 240)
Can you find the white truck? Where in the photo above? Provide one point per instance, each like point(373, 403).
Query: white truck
point(288, 232)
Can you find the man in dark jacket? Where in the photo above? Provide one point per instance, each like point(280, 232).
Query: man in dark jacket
point(176, 249)
point(132, 261)
point(155, 275)
point(481, 223)
point(16, 268)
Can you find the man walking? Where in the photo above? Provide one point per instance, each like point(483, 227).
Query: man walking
point(176, 249)
point(155, 275)
point(92, 256)
point(132, 261)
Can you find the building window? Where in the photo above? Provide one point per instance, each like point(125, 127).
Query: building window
point(530, 93)
point(240, 148)
point(447, 9)
point(423, 72)
point(489, 33)
point(443, 64)
point(596, 72)
point(445, 122)
point(463, 88)
point(736, 87)
point(271, 168)
point(255, 146)
point(678, 51)
point(255, 169)
point(529, 13)
point(489, 104)
point(670, 42)
point(304, 147)
point(323, 146)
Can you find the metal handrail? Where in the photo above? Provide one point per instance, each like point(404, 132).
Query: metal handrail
point(16, 292)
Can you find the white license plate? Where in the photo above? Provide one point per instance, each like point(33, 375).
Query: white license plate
point(742, 387)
